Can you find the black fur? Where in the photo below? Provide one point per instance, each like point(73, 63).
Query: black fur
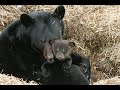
point(22, 41)
point(60, 76)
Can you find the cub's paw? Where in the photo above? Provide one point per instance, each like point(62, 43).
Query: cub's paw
point(46, 73)
point(66, 66)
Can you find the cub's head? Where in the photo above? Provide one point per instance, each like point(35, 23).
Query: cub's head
point(62, 49)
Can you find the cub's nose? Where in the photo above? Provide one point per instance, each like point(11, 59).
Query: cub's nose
point(50, 60)
point(60, 57)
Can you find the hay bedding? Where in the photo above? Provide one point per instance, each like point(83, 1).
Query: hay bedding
point(111, 81)
point(11, 80)
point(94, 28)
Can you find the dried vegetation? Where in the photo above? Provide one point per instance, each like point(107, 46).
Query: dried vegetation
point(94, 28)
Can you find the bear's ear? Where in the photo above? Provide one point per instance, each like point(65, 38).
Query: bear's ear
point(72, 44)
point(26, 20)
point(59, 12)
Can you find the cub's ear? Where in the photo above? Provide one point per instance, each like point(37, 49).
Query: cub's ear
point(72, 44)
point(59, 12)
point(26, 20)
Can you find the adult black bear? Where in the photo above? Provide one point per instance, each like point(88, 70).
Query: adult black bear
point(23, 42)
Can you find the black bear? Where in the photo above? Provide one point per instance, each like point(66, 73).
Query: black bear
point(84, 64)
point(60, 76)
point(23, 42)
point(61, 50)
point(86, 68)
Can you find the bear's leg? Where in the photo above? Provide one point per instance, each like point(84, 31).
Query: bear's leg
point(45, 70)
point(67, 64)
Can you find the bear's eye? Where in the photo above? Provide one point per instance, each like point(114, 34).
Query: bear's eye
point(42, 41)
point(51, 42)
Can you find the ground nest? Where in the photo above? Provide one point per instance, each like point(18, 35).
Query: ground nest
point(94, 28)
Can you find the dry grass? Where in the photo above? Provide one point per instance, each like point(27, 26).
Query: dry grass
point(11, 80)
point(109, 61)
point(111, 81)
point(94, 28)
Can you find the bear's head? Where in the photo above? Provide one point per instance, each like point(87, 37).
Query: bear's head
point(36, 29)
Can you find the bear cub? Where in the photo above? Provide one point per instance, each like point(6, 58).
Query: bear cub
point(61, 51)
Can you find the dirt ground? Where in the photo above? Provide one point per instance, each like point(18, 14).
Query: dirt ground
point(94, 28)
